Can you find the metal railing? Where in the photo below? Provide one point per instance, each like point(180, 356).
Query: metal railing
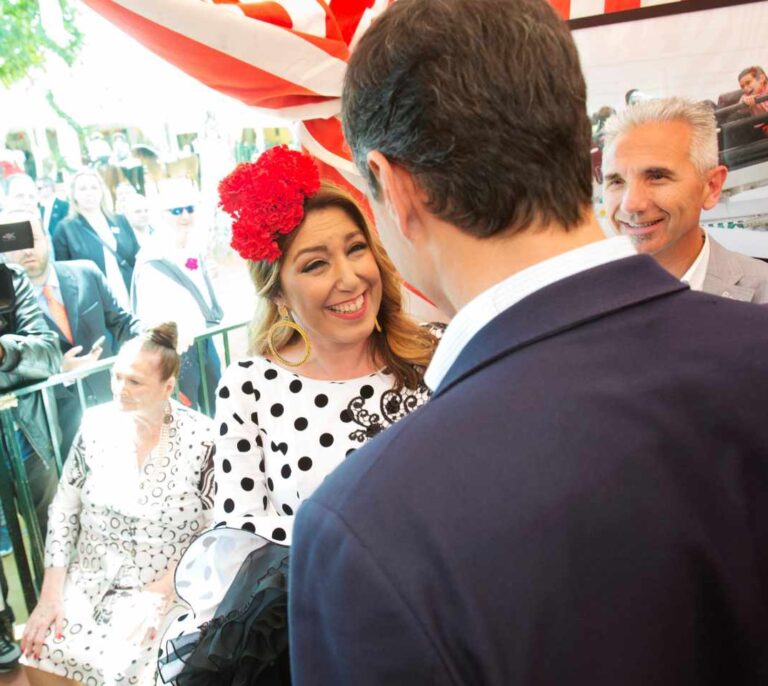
point(740, 140)
point(15, 494)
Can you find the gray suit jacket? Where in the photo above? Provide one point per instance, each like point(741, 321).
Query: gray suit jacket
point(733, 275)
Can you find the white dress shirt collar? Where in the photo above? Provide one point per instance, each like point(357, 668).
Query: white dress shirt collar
point(697, 272)
point(493, 301)
point(52, 280)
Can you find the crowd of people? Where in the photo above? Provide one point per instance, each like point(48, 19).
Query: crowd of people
point(565, 484)
point(86, 295)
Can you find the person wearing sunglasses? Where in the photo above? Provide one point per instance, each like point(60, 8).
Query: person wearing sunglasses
point(172, 280)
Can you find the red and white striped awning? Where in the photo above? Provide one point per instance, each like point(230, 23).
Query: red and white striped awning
point(287, 57)
point(580, 9)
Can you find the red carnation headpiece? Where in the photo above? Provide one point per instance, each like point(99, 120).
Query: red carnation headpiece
point(266, 198)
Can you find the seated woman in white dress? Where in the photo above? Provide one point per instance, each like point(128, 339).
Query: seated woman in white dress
point(337, 361)
point(135, 491)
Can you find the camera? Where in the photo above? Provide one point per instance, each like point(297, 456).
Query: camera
point(13, 236)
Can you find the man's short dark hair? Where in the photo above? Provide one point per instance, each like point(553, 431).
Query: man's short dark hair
point(755, 71)
point(484, 102)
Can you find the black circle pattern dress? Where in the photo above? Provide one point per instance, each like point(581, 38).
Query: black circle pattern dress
point(118, 527)
point(278, 435)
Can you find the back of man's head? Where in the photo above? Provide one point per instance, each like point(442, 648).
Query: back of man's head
point(484, 102)
point(697, 115)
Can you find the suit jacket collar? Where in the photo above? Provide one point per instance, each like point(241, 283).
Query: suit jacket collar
point(724, 272)
point(561, 306)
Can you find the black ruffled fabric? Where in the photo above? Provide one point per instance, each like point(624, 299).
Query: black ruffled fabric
point(246, 643)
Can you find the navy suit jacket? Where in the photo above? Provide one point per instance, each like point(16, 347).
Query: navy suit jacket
point(75, 239)
point(59, 211)
point(92, 309)
point(584, 500)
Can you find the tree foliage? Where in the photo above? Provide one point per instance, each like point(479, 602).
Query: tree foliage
point(24, 44)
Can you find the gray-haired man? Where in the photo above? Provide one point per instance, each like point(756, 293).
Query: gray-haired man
point(660, 170)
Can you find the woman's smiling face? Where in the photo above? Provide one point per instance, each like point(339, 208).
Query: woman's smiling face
point(330, 280)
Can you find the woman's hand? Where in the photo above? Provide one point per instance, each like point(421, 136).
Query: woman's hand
point(48, 611)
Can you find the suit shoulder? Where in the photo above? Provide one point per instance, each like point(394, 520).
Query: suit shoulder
point(68, 224)
point(754, 267)
point(80, 270)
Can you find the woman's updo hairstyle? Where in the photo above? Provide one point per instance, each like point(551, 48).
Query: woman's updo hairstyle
point(163, 339)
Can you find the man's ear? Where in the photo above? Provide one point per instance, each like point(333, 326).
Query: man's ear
point(715, 179)
point(398, 193)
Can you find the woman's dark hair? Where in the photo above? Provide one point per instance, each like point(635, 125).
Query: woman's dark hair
point(163, 340)
point(483, 102)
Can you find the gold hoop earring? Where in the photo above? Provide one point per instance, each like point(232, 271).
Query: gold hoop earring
point(285, 321)
point(376, 324)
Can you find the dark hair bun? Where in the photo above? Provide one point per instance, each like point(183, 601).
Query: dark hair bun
point(166, 335)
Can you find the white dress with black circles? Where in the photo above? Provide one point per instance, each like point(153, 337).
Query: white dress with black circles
point(279, 434)
point(118, 527)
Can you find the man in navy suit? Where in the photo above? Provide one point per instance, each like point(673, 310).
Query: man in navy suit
point(81, 308)
point(584, 500)
point(52, 208)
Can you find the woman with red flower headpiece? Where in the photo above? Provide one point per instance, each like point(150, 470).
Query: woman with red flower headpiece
point(336, 361)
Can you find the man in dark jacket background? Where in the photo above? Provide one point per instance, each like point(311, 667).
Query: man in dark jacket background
point(81, 308)
point(29, 353)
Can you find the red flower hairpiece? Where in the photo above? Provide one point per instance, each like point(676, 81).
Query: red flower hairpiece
point(266, 198)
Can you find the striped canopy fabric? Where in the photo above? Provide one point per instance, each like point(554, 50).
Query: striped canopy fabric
point(580, 9)
point(285, 56)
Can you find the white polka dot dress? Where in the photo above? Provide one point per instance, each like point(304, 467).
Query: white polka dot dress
point(117, 528)
point(279, 434)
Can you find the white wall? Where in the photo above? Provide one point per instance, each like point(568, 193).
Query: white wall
point(695, 54)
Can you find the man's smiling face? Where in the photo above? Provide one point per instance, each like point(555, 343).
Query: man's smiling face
point(653, 192)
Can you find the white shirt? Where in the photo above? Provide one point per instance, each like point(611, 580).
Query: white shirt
point(697, 272)
point(159, 298)
point(494, 300)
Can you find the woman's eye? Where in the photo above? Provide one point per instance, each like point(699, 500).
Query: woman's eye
point(312, 266)
point(358, 246)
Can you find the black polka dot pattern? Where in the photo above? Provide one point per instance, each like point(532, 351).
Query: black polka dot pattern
point(296, 430)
